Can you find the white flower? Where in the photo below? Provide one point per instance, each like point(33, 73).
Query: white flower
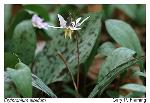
point(69, 25)
point(38, 22)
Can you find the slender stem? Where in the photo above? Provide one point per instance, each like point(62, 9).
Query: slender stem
point(65, 62)
point(78, 59)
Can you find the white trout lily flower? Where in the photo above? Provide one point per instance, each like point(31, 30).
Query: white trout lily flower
point(69, 25)
point(38, 22)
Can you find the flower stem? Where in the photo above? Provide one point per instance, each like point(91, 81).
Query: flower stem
point(78, 59)
point(65, 62)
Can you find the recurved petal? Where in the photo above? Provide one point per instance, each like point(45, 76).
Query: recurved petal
point(62, 21)
point(78, 20)
point(83, 21)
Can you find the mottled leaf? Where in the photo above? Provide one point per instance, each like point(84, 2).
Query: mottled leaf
point(21, 76)
point(10, 90)
point(117, 57)
point(50, 68)
point(110, 76)
point(24, 41)
point(125, 36)
point(37, 82)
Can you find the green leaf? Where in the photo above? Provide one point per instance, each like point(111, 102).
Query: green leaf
point(65, 10)
point(106, 48)
point(141, 15)
point(24, 41)
point(9, 87)
point(134, 95)
point(7, 15)
point(123, 34)
point(117, 57)
point(113, 94)
point(20, 16)
point(128, 9)
point(52, 66)
point(134, 87)
point(108, 11)
point(101, 86)
point(37, 9)
point(10, 60)
point(139, 73)
point(21, 76)
point(37, 82)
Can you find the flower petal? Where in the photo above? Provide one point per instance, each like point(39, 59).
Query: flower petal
point(78, 20)
point(74, 28)
point(36, 18)
point(38, 22)
point(83, 20)
point(54, 27)
point(62, 21)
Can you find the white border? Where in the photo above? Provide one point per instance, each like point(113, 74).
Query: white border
point(2, 51)
point(76, 1)
point(2, 2)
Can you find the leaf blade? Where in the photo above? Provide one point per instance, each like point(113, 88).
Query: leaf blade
point(24, 41)
point(32, 8)
point(134, 87)
point(49, 59)
point(37, 82)
point(23, 81)
point(101, 86)
point(106, 48)
point(123, 34)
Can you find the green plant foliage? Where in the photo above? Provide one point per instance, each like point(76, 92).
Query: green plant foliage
point(123, 34)
point(134, 94)
point(139, 73)
point(141, 15)
point(112, 94)
point(44, 53)
point(37, 82)
point(21, 76)
point(53, 68)
point(10, 60)
point(20, 16)
point(37, 9)
point(7, 15)
point(108, 11)
point(65, 10)
point(24, 41)
point(101, 85)
point(9, 87)
point(134, 87)
point(129, 10)
point(69, 90)
point(106, 48)
point(117, 57)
